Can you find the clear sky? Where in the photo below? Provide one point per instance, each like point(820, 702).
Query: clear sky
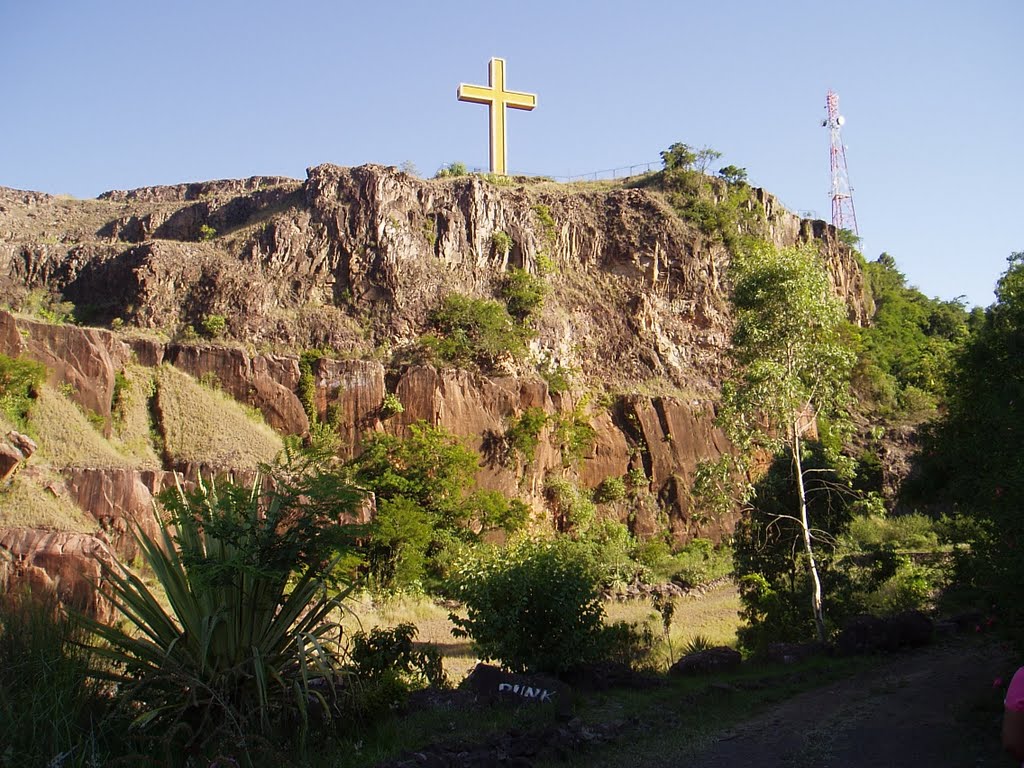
point(113, 95)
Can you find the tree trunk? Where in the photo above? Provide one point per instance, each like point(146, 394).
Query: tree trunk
point(812, 566)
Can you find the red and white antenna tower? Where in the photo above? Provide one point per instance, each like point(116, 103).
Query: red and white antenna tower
point(843, 214)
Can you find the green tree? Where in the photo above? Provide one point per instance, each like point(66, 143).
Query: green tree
point(973, 457)
point(733, 175)
point(679, 156)
point(791, 366)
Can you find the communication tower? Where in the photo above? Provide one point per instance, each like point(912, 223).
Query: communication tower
point(843, 214)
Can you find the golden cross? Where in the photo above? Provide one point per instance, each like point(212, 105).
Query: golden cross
point(497, 98)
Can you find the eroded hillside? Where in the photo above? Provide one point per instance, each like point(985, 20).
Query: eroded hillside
point(319, 295)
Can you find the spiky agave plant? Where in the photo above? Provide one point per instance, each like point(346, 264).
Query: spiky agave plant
point(245, 639)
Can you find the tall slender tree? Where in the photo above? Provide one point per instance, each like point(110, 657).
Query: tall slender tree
point(791, 366)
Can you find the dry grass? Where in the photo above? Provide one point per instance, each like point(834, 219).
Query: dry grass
point(66, 438)
point(204, 425)
point(27, 502)
point(713, 616)
point(432, 624)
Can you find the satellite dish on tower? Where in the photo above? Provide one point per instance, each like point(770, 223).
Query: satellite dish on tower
point(841, 120)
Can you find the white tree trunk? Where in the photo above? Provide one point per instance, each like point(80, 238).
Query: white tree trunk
point(812, 566)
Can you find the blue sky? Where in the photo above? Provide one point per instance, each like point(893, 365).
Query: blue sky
point(113, 95)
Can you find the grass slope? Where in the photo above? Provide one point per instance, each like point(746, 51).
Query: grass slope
point(66, 438)
point(204, 425)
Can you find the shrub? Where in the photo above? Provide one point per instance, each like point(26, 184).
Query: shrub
point(399, 536)
point(502, 242)
point(384, 652)
point(392, 406)
point(214, 326)
point(523, 433)
point(206, 233)
point(572, 510)
point(248, 624)
point(476, 331)
point(523, 293)
point(611, 489)
point(574, 434)
point(20, 382)
point(535, 607)
point(451, 170)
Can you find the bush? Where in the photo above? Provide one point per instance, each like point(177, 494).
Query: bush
point(476, 331)
point(20, 380)
point(451, 170)
point(207, 233)
point(523, 293)
point(573, 511)
point(611, 489)
point(399, 536)
point(384, 652)
point(535, 607)
point(523, 433)
point(502, 242)
point(249, 612)
point(392, 406)
point(575, 435)
point(214, 326)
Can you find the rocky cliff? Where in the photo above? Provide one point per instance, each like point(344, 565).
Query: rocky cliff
point(351, 262)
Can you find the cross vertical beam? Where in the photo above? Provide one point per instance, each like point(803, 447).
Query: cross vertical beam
point(497, 98)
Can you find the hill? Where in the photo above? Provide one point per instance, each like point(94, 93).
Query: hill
point(463, 302)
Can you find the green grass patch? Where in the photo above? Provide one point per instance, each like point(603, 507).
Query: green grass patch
point(203, 425)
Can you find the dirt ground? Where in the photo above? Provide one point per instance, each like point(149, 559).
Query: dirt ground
point(937, 707)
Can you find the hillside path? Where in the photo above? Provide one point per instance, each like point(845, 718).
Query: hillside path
point(930, 708)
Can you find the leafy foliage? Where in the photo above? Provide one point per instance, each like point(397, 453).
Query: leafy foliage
point(523, 293)
point(574, 434)
point(523, 432)
point(792, 366)
point(384, 652)
point(20, 382)
point(611, 489)
point(974, 459)
point(247, 630)
point(424, 506)
point(733, 175)
point(906, 354)
point(214, 326)
point(475, 331)
point(452, 170)
point(572, 510)
point(534, 607)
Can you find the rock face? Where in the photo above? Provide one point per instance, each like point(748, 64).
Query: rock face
point(14, 449)
point(69, 564)
point(355, 259)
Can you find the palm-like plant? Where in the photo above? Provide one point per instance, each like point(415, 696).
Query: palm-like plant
point(246, 636)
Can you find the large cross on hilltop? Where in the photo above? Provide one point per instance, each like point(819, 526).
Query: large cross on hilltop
point(497, 98)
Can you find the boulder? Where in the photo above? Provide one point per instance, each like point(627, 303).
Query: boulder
point(710, 661)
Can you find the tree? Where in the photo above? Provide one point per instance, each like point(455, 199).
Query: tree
point(733, 175)
point(973, 458)
point(790, 367)
point(678, 156)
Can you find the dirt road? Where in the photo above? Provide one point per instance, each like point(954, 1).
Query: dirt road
point(936, 708)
